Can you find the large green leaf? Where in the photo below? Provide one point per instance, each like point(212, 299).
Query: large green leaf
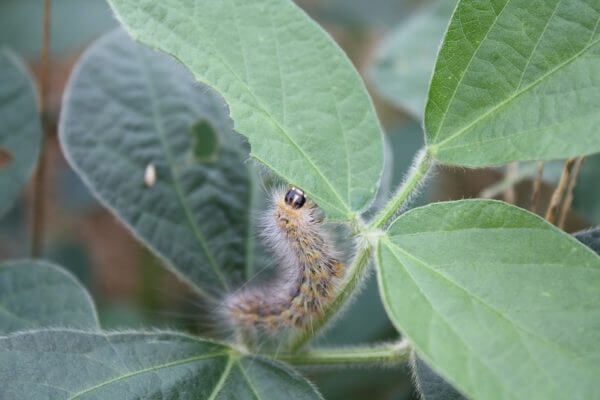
point(516, 80)
point(404, 62)
point(290, 89)
point(37, 294)
point(126, 108)
point(80, 365)
point(20, 130)
point(502, 304)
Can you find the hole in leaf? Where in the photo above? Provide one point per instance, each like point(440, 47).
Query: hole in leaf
point(205, 141)
point(5, 158)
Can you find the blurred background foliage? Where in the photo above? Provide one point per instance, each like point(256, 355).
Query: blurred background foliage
point(385, 39)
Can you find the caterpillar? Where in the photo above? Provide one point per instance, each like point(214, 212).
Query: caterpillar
point(308, 273)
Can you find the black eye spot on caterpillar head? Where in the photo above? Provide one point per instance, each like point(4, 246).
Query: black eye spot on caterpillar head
point(295, 198)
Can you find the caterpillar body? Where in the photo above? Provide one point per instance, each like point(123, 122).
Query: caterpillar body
point(308, 274)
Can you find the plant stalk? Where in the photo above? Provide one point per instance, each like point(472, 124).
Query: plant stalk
point(537, 187)
point(557, 196)
point(566, 207)
point(512, 173)
point(385, 354)
point(39, 212)
point(417, 174)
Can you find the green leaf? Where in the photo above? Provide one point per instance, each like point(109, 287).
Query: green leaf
point(128, 109)
point(405, 60)
point(20, 130)
point(590, 238)
point(291, 90)
point(431, 385)
point(37, 294)
point(80, 365)
point(501, 303)
point(516, 80)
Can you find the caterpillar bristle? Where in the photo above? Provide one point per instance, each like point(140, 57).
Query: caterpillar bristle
point(308, 274)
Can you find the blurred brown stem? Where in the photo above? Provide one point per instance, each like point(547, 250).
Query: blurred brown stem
point(537, 187)
point(566, 207)
point(558, 194)
point(512, 171)
point(40, 177)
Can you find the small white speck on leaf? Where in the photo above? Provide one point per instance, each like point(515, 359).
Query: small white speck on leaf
point(150, 175)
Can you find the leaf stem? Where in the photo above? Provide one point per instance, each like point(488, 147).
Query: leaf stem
point(537, 187)
point(569, 194)
point(512, 173)
point(423, 162)
point(557, 196)
point(40, 177)
point(384, 354)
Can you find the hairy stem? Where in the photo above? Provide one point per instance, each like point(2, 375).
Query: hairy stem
point(385, 354)
point(357, 269)
point(40, 177)
point(417, 174)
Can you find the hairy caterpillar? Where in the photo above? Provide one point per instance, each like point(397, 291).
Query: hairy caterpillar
point(308, 274)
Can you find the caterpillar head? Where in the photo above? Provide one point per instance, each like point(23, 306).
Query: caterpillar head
point(295, 198)
point(293, 210)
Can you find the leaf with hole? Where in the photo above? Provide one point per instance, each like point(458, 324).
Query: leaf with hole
point(37, 294)
point(503, 304)
point(63, 364)
point(291, 90)
point(20, 130)
point(128, 108)
point(516, 80)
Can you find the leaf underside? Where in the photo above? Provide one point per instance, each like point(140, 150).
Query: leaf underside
point(20, 130)
point(291, 91)
point(37, 294)
point(127, 109)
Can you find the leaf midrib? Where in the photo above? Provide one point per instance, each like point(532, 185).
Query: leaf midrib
point(537, 44)
point(150, 369)
point(434, 148)
point(222, 379)
point(260, 107)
